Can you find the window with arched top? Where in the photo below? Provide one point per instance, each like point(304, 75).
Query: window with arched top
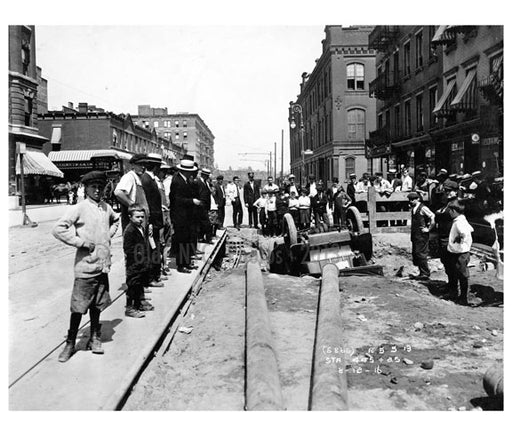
point(356, 124)
point(355, 77)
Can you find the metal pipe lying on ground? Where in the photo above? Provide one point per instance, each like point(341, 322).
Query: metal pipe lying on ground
point(263, 389)
point(329, 384)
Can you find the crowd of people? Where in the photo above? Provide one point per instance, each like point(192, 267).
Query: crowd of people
point(166, 211)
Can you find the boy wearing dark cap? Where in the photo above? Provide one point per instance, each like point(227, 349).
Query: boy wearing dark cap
point(88, 226)
point(422, 222)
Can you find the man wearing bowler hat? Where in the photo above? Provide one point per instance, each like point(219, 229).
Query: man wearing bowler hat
point(251, 194)
point(220, 198)
point(129, 190)
point(182, 203)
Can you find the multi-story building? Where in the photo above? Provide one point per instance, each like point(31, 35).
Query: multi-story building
point(42, 92)
point(77, 134)
point(331, 118)
point(429, 112)
point(24, 135)
point(407, 87)
point(470, 134)
point(184, 129)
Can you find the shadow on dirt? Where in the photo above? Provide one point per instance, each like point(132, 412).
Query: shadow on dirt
point(487, 295)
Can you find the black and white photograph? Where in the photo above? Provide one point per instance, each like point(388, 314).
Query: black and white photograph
point(280, 214)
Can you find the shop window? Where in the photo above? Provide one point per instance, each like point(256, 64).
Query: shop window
point(355, 77)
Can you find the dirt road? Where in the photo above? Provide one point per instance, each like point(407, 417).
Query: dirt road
point(392, 327)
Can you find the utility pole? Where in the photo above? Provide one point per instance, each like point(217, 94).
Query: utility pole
point(275, 160)
point(282, 153)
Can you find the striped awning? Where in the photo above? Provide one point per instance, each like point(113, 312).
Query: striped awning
point(113, 153)
point(37, 163)
point(465, 98)
point(443, 35)
point(497, 75)
point(442, 101)
point(72, 155)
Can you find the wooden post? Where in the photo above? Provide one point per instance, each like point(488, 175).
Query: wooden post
point(372, 209)
point(21, 148)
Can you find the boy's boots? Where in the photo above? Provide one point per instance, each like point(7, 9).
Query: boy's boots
point(69, 348)
point(94, 343)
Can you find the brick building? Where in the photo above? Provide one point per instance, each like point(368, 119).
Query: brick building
point(24, 99)
point(333, 112)
point(77, 134)
point(189, 131)
point(430, 113)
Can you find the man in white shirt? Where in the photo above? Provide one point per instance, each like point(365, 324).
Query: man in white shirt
point(406, 180)
point(363, 184)
point(129, 190)
point(233, 192)
point(459, 246)
point(270, 186)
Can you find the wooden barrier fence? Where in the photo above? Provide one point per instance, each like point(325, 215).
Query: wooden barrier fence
point(390, 220)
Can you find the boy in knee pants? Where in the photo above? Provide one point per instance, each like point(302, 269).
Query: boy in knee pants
point(88, 226)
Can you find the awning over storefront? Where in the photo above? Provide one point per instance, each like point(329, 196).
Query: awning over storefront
point(37, 163)
point(72, 155)
point(497, 75)
point(465, 98)
point(113, 153)
point(442, 101)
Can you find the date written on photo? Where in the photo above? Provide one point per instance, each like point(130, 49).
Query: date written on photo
point(357, 363)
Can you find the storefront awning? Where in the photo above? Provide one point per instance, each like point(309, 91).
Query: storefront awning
point(37, 163)
point(442, 101)
point(72, 155)
point(113, 153)
point(465, 98)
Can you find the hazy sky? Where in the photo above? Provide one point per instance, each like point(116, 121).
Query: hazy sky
point(239, 79)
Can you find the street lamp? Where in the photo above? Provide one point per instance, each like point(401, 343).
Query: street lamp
point(296, 108)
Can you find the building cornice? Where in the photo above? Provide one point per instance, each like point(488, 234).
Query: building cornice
point(23, 77)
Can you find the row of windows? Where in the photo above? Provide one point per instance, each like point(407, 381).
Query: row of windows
point(166, 123)
point(404, 127)
point(420, 50)
point(318, 93)
point(317, 135)
point(132, 143)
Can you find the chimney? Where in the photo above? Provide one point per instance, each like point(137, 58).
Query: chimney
point(82, 108)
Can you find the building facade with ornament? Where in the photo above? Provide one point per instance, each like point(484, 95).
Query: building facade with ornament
point(333, 114)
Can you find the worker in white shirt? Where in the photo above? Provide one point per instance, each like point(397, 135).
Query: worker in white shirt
point(459, 246)
point(406, 180)
point(363, 184)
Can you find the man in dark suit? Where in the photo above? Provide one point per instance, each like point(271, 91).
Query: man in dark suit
point(220, 198)
point(156, 220)
point(204, 195)
point(182, 204)
point(251, 194)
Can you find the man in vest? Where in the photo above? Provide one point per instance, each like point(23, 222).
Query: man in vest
point(251, 194)
point(422, 221)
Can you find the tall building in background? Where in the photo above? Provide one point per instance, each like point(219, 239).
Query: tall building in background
point(189, 131)
point(23, 103)
point(333, 114)
point(440, 98)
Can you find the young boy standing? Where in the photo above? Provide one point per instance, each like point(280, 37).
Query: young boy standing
point(137, 261)
point(459, 245)
point(88, 226)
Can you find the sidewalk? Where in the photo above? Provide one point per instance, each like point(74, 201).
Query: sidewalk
point(88, 381)
point(38, 213)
